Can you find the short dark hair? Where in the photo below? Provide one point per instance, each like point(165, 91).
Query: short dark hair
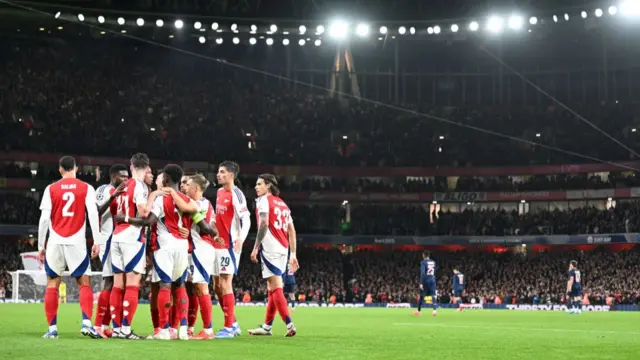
point(426, 254)
point(172, 172)
point(272, 181)
point(574, 263)
point(67, 163)
point(140, 161)
point(231, 166)
point(117, 168)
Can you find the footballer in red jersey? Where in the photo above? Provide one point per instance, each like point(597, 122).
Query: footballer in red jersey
point(275, 243)
point(64, 205)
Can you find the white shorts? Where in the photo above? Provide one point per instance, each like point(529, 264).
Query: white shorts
point(226, 262)
point(60, 257)
point(202, 264)
point(273, 264)
point(105, 259)
point(170, 264)
point(127, 257)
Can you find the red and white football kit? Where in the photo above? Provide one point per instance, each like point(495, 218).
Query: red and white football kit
point(203, 256)
point(127, 241)
point(66, 202)
point(103, 194)
point(233, 222)
point(171, 257)
point(274, 248)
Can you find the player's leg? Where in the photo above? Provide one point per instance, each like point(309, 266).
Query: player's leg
point(118, 289)
point(226, 264)
point(421, 297)
point(193, 306)
point(434, 299)
point(273, 266)
point(103, 314)
point(53, 265)
point(201, 267)
point(292, 297)
point(77, 260)
point(135, 261)
point(181, 303)
point(160, 276)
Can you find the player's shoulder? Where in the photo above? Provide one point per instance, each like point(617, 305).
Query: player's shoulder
point(238, 195)
point(277, 200)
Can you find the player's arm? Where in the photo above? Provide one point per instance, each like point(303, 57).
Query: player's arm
point(138, 221)
point(104, 206)
point(240, 205)
point(45, 220)
point(293, 260)
point(182, 205)
point(200, 218)
point(569, 284)
point(94, 222)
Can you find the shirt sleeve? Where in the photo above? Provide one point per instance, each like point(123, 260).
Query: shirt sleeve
point(45, 203)
point(140, 194)
point(157, 207)
point(262, 205)
point(103, 194)
point(240, 207)
point(92, 215)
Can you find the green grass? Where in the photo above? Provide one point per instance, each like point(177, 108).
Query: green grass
point(338, 333)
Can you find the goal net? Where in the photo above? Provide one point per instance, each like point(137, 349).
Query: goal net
point(30, 285)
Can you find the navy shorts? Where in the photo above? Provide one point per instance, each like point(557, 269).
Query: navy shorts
point(289, 288)
point(457, 293)
point(575, 292)
point(429, 288)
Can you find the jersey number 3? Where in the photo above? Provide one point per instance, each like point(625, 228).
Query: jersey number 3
point(68, 198)
point(282, 218)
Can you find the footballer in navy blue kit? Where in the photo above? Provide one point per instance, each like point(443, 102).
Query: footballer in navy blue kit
point(428, 292)
point(289, 279)
point(574, 289)
point(458, 287)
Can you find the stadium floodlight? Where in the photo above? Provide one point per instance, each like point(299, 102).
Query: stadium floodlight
point(613, 10)
point(57, 15)
point(338, 29)
point(215, 26)
point(533, 20)
point(252, 41)
point(598, 12)
point(430, 30)
point(178, 24)
point(566, 17)
point(494, 24)
point(269, 41)
point(219, 41)
point(197, 25)
point(555, 18)
point(285, 42)
point(301, 42)
point(80, 17)
point(101, 19)
point(455, 28)
point(254, 29)
point(202, 39)
point(583, 14)
point(362, 30)
point(140, 21)
point(159, 23)
point(236, 40)
point(302, 29)
point(515, 22)
point(273, 28)
point(436, 29)
point(234, 27)
point(383, 30)
point(402, 30)
point(120, 21)
point(318, 42)
point(319, 30)
point(630, 8)
point(474, 26)
point(412, 30)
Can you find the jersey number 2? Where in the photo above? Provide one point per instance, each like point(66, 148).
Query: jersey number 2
point(69, 198)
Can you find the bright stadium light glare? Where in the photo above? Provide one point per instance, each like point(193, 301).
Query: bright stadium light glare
point(101, 19)
point(120, 21)
point(436, 29)
point(494, 24)
point(362, 30)
point(338, 29)
point(474, 26)
point(302, 29)
point(57, 15)
point(319, 30)
point(455, 28)
point(219, 41)
point(269, 41)
point(412, 30)
point(80, 17)
point(613, 10)
point(318, 42)
point(583, 14)
point(140, 21)
point(533, 20)
point(566, 17)
point(285, 42)
point(254, 28)
point(252, 41)
point(430, 30)
point(301, 42)
point(236, 40)
point(159, 23)
point(202, 39)
point(402, 30)
point(555, 18)
point(215, 26)
point(178, 24)
point(383, 30)
point(598, 12)
point(234, 27)
point(197, 25)
point(630, 8)
point(273, 28)
point(515, 22)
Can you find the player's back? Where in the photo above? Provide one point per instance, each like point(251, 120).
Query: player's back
point(428, 270)
point(576, 275)
point(136, 193)
point(279, 218)
point(458, 280)
point(103, 193)
point(67, 199)
point(170, 221)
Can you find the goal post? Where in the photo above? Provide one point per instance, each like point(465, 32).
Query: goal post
point(30, 285)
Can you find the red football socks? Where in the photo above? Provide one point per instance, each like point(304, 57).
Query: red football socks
point(229, 302)
point(182, 308)
point(205, 310)
point(281, 305)
point(193, 309)
point(115, 305)
point(86, 302)
point(51, 306)
point(271, 310)
point(102, 309)
point(130, 305)
point(164, 307)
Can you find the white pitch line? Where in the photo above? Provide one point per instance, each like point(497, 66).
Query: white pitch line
point(516, 328)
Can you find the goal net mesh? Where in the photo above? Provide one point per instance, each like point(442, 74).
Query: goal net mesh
point(30, 285)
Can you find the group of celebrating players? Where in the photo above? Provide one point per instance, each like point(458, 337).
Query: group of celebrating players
point(189, 243)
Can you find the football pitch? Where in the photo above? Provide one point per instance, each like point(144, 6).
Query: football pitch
point(344, 333)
